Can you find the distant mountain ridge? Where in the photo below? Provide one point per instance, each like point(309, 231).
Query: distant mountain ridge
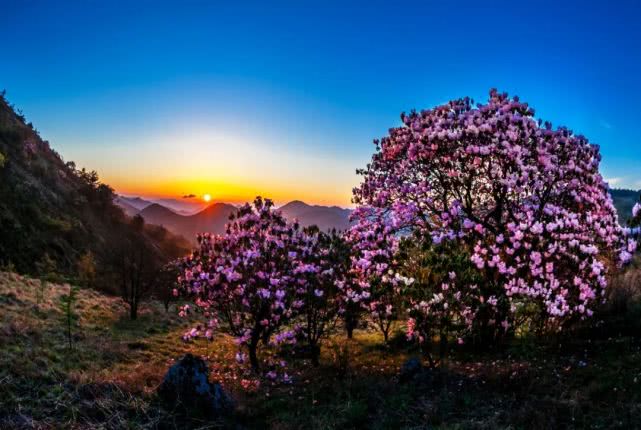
point(181, 206)
point(624, 200)
point(325, 217)
point(213, 218)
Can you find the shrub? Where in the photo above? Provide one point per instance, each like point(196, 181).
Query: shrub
point(442, 298)
point(251, 277)
point(326, 265)
point(373, 268)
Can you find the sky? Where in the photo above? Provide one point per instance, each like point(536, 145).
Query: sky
point(284, 99)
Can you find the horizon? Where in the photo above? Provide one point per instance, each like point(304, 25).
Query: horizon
point(199, 202)
point(236, 102)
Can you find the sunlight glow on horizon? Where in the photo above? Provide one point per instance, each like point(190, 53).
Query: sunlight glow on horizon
point(284, 103)
point(227, 162)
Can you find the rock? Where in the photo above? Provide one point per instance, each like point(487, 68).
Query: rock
point(186, 388)
point(410, 369)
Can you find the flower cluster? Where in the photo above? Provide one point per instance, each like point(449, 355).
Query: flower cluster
point(526, 201)
point(635, 221)
point(325, 263)
point(268, 280)
point(375, 282)
point(252, 276)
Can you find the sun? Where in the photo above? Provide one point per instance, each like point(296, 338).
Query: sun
point(207, 197)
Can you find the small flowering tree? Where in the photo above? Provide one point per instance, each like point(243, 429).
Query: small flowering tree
point(442, 296)
point(251, 277)
point(376, 283)
point(526, 202)
point(325, 265)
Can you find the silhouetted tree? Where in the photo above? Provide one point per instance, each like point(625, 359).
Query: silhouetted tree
point(165, 283)
point(135, 263)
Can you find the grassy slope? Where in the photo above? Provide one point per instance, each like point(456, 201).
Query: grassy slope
point(108, 380)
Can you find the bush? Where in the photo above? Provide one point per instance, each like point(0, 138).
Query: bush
point(251, 277)
point(524, 201)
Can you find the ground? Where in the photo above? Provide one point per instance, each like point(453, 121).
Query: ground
point(108, 379)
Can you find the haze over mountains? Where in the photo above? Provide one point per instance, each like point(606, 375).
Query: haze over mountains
point(214, 217)
point(181, 206)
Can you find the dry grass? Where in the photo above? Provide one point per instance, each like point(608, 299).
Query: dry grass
point(108, 380)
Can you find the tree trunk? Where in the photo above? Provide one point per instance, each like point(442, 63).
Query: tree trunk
point(253, 359)
point(350, 331)
point(442, 352)
point(133, 310)
point(427, 354)
point(315, 355)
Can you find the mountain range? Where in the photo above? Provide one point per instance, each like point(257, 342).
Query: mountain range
point(180, 206)
point(213, 218)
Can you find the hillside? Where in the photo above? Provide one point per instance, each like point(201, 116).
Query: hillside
point(109, 379)
point(52, 213)
point(624, 200)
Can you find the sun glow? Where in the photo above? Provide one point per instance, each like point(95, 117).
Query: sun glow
point(207, 198)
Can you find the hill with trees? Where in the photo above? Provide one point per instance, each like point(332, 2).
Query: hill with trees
point(624, 200)
point(60, 220)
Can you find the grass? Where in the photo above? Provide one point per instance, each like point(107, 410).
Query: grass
point(109, 379)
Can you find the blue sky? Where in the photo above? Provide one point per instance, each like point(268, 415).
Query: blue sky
point(284, 98)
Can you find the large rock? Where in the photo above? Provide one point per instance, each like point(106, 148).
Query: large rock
point(186, 388)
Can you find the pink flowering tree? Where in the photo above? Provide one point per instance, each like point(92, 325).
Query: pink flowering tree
point(251, 278)
point(376, 282)
point(325, 266)
point(525, 201)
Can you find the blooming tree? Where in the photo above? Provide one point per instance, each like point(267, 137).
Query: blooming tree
point(376, 284)
point(325, 265)
point(251, 277)
point(443, 297)
point(524, 200)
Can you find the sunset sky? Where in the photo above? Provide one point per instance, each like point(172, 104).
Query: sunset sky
point(284, 101)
